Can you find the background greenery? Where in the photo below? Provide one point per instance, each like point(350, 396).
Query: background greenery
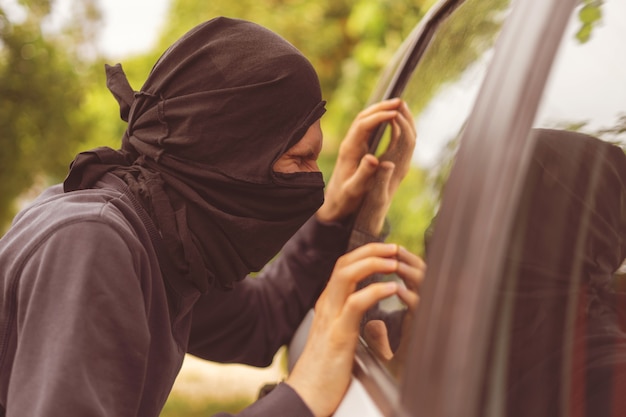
point(54, 103)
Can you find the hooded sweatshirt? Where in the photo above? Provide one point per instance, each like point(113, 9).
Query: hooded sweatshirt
point(142, 254)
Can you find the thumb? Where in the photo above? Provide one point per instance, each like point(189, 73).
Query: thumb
point(375, 335)
point(383, 177)
point(360, 181)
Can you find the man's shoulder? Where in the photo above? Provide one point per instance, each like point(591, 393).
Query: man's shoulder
point(54, 206)
point(54, 210)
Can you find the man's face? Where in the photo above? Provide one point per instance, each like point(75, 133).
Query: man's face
point(302, 157)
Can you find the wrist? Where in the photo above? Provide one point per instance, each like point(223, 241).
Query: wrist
point(329, 212)
point(306, 393)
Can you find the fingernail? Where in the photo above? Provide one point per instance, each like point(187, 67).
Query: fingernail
point(371, 159)
point(393, 263)
point(404, 292)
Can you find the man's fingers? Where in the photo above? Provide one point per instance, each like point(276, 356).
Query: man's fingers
point(354, 267)
point(344, 280)
point(408, 297)
point(379, 189)
point(403, 138)
point(410, 258)
point(383, 250)
point(364, 125)
point(413, 277)
point(358, 184)
point(359, 302)
point(406, 113)
point(390, 104)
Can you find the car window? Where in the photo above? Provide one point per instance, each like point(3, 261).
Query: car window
point(558, 340)
point(440, 92)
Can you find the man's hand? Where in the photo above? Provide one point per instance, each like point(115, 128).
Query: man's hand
point(322, 374)
point(355, 168)
point(375, 331)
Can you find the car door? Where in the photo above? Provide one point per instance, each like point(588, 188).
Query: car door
point(475, 76)
point(446, 366)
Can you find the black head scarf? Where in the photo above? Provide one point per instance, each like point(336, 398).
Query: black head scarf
point(219, 107)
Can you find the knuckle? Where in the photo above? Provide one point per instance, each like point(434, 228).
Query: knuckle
point(353, 303)
point(352, 192)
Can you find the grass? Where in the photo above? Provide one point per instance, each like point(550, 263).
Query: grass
point(180, 406)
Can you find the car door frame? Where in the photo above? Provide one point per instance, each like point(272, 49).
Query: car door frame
point(449, 337)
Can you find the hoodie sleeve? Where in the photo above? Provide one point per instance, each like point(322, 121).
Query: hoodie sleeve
point(283, 401)
point(251, 322)
point(82, 337)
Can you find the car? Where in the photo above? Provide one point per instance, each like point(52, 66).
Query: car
point(519, 211)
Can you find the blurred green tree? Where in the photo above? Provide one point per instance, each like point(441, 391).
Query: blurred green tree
point(347, 41)
point(53, 96)
point(41, 95)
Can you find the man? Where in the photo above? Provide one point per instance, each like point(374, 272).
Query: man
point(142, 254)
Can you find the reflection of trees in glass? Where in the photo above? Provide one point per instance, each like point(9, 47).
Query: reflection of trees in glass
point(615, 134)
point(574, 87)
point(348, 41)
point(590, 15)
point(411, 212)
point(54, 101)
point(461, 41)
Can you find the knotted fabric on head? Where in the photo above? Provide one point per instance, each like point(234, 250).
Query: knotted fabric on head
point(219, 107)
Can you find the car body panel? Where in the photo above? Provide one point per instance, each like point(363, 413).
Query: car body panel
point(479, 200)
point(447, 365)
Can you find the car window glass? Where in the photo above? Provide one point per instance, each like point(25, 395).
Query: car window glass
point(558, 345)
point(440, 94)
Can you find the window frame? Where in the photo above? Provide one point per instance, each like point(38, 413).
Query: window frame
point(377, 382)
point(449, 336)
point(409, 55)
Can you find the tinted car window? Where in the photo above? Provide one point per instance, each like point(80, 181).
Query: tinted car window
point(558, 343)
point(440, 93)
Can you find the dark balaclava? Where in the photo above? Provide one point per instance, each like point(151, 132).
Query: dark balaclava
point(219, 107)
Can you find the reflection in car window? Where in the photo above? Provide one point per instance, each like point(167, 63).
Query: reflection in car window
point(440, 94)
point(586, 91)
point(558, 345)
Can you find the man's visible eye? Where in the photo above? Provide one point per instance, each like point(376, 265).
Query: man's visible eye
point(309, 157)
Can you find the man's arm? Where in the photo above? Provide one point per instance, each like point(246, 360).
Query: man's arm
point(251, 322)
point(82, 336)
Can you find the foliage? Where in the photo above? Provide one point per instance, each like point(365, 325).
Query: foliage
point(41, 94)
point(55, 103)
point(615, 134)
point(347, 41)
point(460, 43)
point(590, 15)
point(180, 406)
point(411, 212)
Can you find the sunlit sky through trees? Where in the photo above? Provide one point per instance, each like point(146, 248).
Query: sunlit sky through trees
point(129, 26)
point(141, 19)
